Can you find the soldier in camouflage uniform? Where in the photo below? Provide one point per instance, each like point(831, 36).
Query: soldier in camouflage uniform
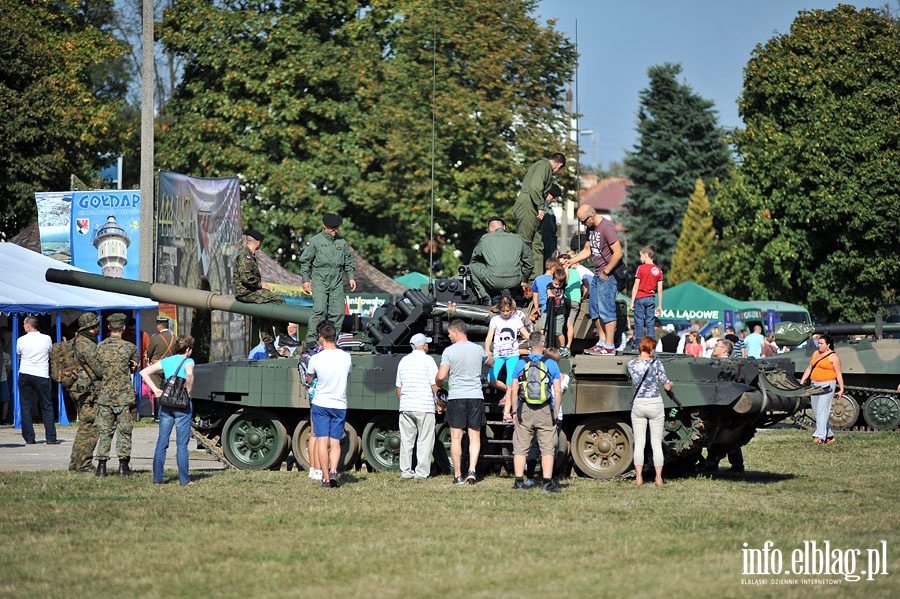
point(323, 263)
point(248, 287)
point(118, 406)
point(84, 392)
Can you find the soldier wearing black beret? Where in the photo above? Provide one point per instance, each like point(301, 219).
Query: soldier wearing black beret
point(323, 263)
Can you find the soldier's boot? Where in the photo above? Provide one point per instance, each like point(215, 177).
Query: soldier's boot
point(287, 341)
point(101, 468)
point(124, 467)
point(271, 352)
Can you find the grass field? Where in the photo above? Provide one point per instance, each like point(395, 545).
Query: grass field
point(277, 534)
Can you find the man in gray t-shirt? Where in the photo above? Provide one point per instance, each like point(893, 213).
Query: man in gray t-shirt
point(461, 366)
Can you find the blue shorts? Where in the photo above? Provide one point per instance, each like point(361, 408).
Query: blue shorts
point(602, 302)
point(510, 362)
point(328, 422)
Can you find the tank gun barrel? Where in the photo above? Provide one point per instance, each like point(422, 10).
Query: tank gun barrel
point(194, 298)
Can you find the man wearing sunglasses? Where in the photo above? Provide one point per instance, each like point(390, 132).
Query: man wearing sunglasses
point(603, 245)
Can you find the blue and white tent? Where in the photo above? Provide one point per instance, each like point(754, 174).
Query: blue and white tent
point(24, 291)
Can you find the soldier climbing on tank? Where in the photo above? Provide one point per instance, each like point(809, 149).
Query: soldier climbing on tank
point(323, 263)
point(500, 261)
point(531, 203)
point(248, 287)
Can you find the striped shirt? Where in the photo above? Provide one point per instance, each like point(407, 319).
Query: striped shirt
point(415, 376)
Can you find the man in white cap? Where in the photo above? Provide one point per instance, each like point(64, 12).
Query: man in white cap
point(669, 342)
point(416, 391)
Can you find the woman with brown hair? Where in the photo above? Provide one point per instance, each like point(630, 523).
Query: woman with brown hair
point(824, 371)
point(647, 374)
point(182, 365)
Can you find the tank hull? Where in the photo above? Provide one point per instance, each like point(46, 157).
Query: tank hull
point(254, 414)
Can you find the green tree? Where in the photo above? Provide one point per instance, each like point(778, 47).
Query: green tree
point(679, 141)
point(327, 106)
point(695, 243)
point(813, 215)
point(62, 85)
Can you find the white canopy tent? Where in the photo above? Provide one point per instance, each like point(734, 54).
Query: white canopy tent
point(25, 291)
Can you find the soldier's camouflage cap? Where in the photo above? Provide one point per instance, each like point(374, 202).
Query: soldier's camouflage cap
point(88, 320)
point(117, 318)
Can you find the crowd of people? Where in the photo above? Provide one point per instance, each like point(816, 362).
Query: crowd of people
point(530, 379)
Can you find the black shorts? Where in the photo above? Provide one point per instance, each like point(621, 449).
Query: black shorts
point(465, 413)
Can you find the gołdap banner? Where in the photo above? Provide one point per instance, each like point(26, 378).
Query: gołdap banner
point(198, 236)
point(98, 230)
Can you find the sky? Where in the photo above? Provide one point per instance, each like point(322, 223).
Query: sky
point(619, 40)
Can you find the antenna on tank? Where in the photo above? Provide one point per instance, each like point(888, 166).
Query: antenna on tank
point(433, 117)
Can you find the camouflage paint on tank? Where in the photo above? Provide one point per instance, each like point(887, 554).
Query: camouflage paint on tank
point(249, 407)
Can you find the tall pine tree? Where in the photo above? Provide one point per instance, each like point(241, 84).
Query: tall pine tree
point(679, 141)
point(695, 243)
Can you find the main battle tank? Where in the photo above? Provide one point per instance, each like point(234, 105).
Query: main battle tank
point(871, 370)
point(251, 413)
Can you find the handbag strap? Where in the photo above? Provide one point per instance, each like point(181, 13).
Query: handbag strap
point(813, 367)
point(179, 366)
point(643, 378)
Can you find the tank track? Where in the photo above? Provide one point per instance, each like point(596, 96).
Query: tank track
point(212, 445)
point(803, 419)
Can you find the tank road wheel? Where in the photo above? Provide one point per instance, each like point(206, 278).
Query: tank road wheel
point(603, 448)
point(254, 440)
point(882, 412)
point(381, 443)
point(300, 442)
point(844, 412)
point(349, 444)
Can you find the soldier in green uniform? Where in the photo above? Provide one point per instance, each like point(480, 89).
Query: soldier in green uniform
point(549, 224)
point(118, 405)
point(84, 392)
point(500, 261)
point(323, 263)
point(531, 202)
point(248, 287)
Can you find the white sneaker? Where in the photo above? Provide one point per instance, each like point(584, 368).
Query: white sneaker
point(315, 474)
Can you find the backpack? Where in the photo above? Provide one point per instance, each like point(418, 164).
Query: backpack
point(64, 366)
point(534, 385)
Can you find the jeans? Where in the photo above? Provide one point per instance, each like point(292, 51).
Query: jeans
point(602, 300)
point(30, 388)
point(181, 420)
point(821, 406)
point(644, 318)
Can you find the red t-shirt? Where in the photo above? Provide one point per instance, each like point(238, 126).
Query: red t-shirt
point(647, 275)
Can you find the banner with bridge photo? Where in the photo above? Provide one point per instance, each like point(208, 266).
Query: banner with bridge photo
point(198, 236)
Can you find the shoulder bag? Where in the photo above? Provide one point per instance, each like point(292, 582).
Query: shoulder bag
point(175, 393)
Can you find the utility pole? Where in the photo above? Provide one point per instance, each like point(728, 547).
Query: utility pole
point(148, 75)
